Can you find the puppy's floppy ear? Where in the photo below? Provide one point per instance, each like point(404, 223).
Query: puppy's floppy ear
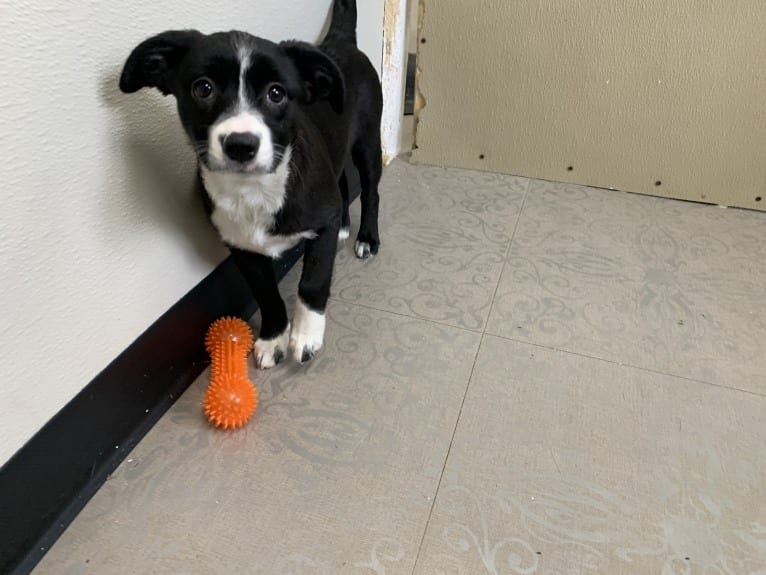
point(153, 63)
point(321, 76)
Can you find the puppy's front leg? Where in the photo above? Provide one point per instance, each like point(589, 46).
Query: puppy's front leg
point(271, 346)
point(307, 335)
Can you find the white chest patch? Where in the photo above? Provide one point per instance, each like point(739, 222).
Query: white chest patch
point(244, 207)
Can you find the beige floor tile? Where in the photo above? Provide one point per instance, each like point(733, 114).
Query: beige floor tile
point(572, 465)
point(334, 475)
point(445, 233)
point(670, 286)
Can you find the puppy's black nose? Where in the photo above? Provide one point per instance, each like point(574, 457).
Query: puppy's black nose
point(241, 146)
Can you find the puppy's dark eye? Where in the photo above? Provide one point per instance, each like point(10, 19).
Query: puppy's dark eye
point(276, 94)
point(203, 89)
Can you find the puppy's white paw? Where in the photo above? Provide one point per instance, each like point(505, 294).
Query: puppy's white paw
point(270, 352)
point(343, 234)
point(307, 335)
point(363, 250)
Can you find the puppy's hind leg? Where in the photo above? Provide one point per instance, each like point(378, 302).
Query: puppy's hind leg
point(345, 224)
point(368, 159)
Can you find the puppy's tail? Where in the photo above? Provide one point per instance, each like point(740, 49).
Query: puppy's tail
point(343, 24)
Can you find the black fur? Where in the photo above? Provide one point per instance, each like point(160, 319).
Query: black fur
point(332, 112)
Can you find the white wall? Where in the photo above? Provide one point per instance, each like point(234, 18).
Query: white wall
point(394, 72)
point(99, 231)
point(370, 30)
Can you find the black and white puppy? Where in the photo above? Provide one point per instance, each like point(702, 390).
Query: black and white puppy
point(273, 126)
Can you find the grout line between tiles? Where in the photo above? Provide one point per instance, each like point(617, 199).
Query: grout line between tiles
point(446, 458)
point(505, 257)
point(470, 378)
point(407, 316)
point(628, 365)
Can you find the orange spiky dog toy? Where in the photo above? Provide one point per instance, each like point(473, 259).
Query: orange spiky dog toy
point(231, 399)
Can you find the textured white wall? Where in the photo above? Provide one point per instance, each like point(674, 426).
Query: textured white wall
point(99, 231)
point(394, 72)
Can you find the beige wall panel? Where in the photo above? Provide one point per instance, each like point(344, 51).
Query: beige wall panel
point(627, 93)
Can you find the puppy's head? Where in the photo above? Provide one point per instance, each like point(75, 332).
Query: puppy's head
point(237, 95)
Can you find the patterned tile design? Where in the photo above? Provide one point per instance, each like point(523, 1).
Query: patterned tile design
point(613, 421)
point(567, 464)
point(670, 286)
point(445, 234)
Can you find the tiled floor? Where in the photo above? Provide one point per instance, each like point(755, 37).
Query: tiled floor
point(530, 378)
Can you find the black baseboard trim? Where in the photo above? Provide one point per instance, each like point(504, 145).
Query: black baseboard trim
point(53, 476)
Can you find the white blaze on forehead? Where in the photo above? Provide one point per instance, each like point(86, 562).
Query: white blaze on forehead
point(244, 66)
point(243, 119)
